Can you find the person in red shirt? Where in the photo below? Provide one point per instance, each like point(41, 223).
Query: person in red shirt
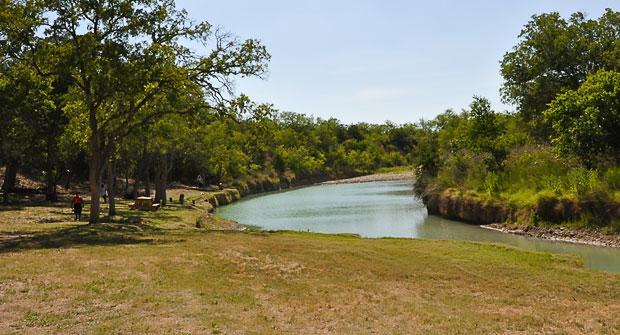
point(77, 203)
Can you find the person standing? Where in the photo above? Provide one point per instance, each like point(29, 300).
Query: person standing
point(77, 203)
point(104, 193)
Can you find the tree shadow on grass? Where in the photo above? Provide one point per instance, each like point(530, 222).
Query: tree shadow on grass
point(9, 208)
point(81, 235)
point(21, 205)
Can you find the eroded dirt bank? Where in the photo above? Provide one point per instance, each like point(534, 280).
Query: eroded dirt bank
point(507, 218)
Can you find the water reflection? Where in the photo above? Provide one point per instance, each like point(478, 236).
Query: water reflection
point(385, 209)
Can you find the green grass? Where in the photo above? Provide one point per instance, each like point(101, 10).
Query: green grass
point(163, 276)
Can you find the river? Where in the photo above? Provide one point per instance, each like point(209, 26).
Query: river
point(386, 209)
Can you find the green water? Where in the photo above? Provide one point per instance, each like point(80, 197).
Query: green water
point(385, 209)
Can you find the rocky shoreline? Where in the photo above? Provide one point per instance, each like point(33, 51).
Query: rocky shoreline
point(587, 236)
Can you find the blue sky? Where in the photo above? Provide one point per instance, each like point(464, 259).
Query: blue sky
point(372, 61)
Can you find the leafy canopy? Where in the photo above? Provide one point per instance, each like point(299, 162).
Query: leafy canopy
point(586, 121)
point(556, 54)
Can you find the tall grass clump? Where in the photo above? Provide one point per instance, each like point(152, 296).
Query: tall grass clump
point(611, 177)
point(531, 176)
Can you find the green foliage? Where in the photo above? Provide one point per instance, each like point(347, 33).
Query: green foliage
point(551, 183)
point(556, 54)
point(484, 131)
point(298, 159)
point(564, 78)
point(222, 150)
point(31, 123)
point(537, 168)
point(124, 65)
point(585, 121)
point(109, 80)
point(462, 149)
point(492, 183)
point(583, 182)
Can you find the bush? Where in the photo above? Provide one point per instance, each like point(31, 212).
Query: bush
point(536, 168)
point(612, 178)
point(553, 183)
point(584, 182)
point(585, 121)
point(492, 184)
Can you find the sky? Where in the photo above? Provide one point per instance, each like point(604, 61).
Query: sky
point(378, 60)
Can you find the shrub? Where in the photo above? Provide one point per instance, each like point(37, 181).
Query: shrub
point(553, 183)
point(612, 178)
point(536, 168)
point(492, 183)
point(583, 182)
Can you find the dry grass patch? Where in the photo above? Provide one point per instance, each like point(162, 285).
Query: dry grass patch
point(164, 276)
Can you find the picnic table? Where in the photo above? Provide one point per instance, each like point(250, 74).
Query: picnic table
point(144, 204)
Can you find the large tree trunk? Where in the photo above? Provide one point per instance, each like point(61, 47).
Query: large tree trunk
point(138, 173)
point(50, 189)
point(126, 186)
point(93, 181)
point(111, 178)
point(52, 175)
point(162, 168)
point(10, 176)
point(136, 183)
point(146, 175)
point(94, 173)
point(160, 192)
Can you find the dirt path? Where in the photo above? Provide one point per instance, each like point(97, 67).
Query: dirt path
point(374, 177)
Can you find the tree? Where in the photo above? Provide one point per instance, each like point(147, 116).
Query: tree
point(427, 157)
point(27, 114)
point(120, 57)
point(585, 121)
point(554, 55)
point(484, 132)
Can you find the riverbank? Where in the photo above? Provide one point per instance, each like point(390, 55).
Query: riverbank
point(159, 274)
point(496, 215)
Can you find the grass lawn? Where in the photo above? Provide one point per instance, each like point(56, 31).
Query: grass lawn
point(163, 276)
